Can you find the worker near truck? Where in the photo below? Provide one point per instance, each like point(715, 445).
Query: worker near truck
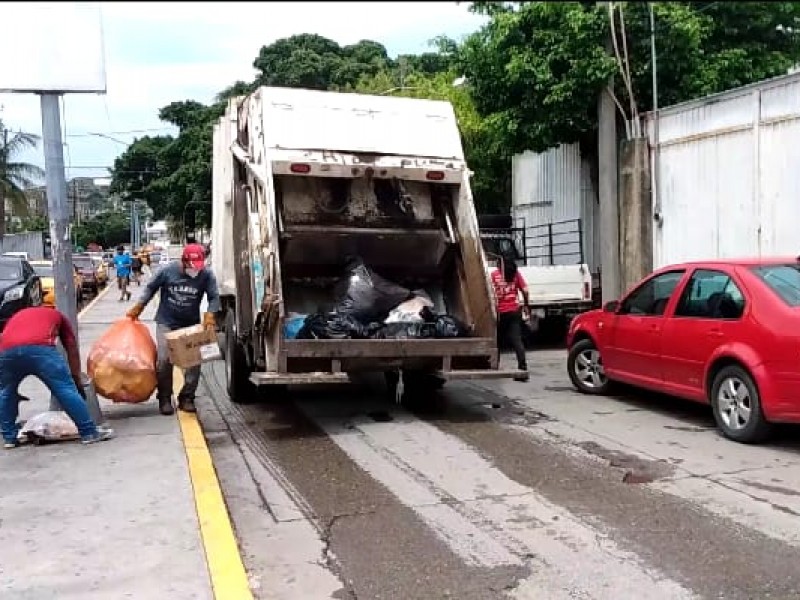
point(508, 284)
point(28, 347)
point(182, 287)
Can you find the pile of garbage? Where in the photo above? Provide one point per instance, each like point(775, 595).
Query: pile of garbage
point(373, 308)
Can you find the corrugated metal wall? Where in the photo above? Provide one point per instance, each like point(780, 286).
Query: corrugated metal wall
point(729, 174)
point(555, 187)
point(31, 242)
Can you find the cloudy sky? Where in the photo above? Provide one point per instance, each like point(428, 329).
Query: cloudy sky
point(157, 53)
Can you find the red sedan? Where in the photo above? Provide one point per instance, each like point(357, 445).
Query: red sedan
point(722, 332)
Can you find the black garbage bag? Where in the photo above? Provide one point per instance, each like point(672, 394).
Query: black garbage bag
point(446, 326)
point(413, 330)
point(334, 326)
point(369, 297)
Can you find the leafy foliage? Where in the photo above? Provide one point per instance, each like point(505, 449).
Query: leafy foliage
point(15, 176)
point(533, 74)
point(108, 230)
point(537, 67)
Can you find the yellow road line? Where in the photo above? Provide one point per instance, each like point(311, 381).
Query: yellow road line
point(225, 566)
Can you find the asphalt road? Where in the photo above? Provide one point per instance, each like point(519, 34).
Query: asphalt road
point(507, 490)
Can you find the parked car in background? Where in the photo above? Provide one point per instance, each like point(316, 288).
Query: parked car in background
point(44, 269)
point(19, 287)
point(102, 271)
point(88, 272)
point(725, 333)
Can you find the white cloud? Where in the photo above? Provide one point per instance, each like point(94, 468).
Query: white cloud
point(157, 53)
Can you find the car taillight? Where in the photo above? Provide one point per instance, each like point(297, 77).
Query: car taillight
point(587, 290)
point(434, 175)
point(300, 168)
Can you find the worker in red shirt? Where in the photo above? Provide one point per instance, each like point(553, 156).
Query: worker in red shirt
point(508, 283)
point(28, 347)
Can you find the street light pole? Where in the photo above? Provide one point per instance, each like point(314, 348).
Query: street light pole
point(186, 206)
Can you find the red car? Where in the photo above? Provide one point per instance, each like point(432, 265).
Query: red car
point(723, 332)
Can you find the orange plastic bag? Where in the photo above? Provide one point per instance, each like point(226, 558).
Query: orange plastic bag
point(122, 363)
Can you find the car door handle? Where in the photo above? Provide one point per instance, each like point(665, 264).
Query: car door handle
point(715, 333)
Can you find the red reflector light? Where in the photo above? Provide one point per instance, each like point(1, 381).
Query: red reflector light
point(300, 168)
point(587, 292)
point(434, 175)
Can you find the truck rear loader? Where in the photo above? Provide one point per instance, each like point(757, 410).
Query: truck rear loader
point(303, 180)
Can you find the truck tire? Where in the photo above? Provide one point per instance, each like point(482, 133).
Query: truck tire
point(237, 372)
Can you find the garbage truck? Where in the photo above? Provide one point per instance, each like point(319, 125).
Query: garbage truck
point(328, 209)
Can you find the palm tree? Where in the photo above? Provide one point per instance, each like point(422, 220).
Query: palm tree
point(15, 177)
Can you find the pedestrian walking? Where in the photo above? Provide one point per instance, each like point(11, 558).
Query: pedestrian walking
point(28, 347)
point(122, 266)
point(136, 267)
point(508, 284)
point(182, 286)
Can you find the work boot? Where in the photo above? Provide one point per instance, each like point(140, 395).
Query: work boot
point(187, 405)
point(165, 406)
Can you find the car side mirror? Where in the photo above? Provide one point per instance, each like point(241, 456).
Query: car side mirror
point(611, 307)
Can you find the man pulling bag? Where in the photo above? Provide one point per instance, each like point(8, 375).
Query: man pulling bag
point(181, 286)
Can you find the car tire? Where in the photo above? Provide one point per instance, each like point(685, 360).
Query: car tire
point(736, 403)
point(585, 368)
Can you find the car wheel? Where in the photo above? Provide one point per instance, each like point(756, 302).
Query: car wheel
point(736, 403)
point(585, 368)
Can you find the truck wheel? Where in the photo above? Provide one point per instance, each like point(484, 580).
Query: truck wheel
point(237, 373)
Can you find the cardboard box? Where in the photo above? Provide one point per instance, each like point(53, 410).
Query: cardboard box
point(191, 346)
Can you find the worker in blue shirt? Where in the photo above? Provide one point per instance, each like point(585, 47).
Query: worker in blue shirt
point(123, 264)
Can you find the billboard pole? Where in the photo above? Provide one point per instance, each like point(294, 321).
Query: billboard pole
point(58, 212)
point(57, 208)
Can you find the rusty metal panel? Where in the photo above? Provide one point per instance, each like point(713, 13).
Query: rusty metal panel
point(549, 188)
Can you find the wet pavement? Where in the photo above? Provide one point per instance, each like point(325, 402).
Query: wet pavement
point(503, 490)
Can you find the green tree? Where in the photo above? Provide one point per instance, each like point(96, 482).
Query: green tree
point(15, 176)
point(315, 62)
point(536, 68)
point(108, 230)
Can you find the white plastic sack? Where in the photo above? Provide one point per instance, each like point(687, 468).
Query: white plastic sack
point(50, 426)
point(409, 311)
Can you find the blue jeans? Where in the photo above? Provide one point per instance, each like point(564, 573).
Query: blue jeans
point(47, 364)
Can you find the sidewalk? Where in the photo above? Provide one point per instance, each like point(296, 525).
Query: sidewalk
point(107, 521)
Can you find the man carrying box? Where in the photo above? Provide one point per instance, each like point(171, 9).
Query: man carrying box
point(182, 286)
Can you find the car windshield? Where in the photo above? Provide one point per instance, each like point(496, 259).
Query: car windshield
point(10, 271)
point(43, 270)
point(83, 263)
point(784, 280)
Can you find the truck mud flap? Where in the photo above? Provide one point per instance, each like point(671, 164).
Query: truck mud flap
point(298, 378)
point(479, 374)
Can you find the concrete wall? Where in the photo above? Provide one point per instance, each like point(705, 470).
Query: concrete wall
point(31, 242)
point(635, 213)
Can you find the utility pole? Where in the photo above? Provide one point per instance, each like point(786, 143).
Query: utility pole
point(608, 191)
